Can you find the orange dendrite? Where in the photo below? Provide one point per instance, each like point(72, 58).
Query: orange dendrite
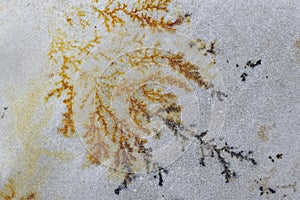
point(83, 22)
point(142, 57)
point(137, 12)
point(65, 53)
point(156, 77)
point(138, 111)
point(68, 53)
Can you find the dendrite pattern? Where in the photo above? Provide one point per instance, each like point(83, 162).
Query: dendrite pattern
point(134, 100)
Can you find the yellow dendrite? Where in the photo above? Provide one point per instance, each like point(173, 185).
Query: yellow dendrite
point(10, 193)
point(69, 55)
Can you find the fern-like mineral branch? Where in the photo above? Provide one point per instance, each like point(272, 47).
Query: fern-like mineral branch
point(140, 12)
point(119, 135)
point(65, 53)
point(118, 138)
point(68, 54)
point(209, 149)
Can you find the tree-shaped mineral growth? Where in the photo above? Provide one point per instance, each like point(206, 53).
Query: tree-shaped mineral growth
point(135, 98)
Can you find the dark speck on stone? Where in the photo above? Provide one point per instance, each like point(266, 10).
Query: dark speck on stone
point(243, 76)
point(252, 64)
point(271, 190)
point(188, 15)
point(279, 156)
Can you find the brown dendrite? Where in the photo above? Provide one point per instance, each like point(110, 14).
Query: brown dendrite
point(109, 133)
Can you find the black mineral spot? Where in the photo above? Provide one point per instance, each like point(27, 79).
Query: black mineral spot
point(212, 49)
point(243, 76)
point(252, 64)
point(271, 190)
point(258, 62)
point(279, 156)
point(187, 15)
point(261, 188)
point(117, 191)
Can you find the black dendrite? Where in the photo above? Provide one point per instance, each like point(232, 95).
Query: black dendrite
point(159, 175)
point(264, 190)
point(128, 178)
point(206, 149)
point(219, 94)
point(209, 149)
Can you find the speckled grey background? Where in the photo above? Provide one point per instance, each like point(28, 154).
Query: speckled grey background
point(243, 31)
